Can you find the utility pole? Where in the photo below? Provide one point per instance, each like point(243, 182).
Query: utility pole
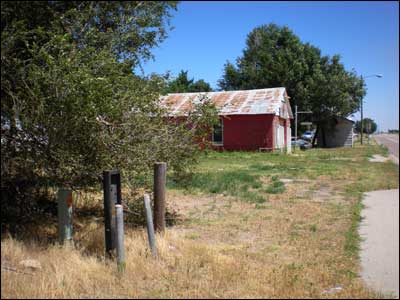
point(362, 122)
point(295, 127)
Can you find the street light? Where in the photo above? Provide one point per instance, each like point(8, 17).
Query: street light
point(374, 75)
point(362, 126)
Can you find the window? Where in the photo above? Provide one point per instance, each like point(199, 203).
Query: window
point(217, 135)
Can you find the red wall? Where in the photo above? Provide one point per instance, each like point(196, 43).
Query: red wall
point(248, 132)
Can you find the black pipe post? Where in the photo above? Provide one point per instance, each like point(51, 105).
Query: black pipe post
point(112, 196)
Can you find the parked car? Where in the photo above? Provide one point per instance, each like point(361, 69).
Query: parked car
point(308, 135)
point(302, 144)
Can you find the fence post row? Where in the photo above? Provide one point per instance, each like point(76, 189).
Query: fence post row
point(112, 196)
point(113, 212)
point(160, 169)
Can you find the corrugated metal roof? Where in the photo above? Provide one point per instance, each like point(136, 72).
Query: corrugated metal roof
point(248, 102)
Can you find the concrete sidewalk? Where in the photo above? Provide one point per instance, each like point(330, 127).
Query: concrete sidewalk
point(380, 247)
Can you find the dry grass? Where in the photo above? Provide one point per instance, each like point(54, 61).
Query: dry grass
point(295, 245)
point(184, 269)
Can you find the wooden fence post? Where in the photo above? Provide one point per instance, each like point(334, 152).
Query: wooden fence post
point(160, 169)
point(149, 221)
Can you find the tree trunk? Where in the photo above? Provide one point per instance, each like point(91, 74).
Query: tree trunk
point(323, 137)
point(315, 136)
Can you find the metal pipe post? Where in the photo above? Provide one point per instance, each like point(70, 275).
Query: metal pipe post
point(64, 210)
point(111, 190)
point(150, 228)
point(120, 238)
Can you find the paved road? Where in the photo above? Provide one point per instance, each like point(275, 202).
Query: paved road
point(392, 142)
point(380, 248)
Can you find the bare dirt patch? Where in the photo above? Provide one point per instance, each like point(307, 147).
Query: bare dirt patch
point(378, 158)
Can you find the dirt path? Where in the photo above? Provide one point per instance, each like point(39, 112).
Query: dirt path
point(380, 247)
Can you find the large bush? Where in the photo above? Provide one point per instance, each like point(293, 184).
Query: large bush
point(72, 107)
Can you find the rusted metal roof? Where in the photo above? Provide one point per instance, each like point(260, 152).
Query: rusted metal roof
point(245, 102)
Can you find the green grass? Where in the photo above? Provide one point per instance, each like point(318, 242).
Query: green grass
point(260, 206)
point(324, 231)
point(313, 228)
point(244, 175)
point(238, 183)
point(192, 236)
point(276, 187)
point(261, 167)
point(353, 239)
point(282, 245)
point(240, 174)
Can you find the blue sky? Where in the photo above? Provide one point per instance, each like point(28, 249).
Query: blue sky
point(365, 34)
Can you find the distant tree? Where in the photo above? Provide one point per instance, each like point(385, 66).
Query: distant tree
point(182, 84)
point(369, 126)
point(275, 57)
point(200, 86)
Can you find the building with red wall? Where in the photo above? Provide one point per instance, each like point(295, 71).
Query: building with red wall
point(249, 119)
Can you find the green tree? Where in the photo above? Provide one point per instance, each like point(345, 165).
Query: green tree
point(275, 57)
point(182, 84)
point(71, 106)
point(369, 126)
point(200, 86)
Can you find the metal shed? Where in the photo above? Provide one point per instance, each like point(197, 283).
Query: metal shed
point(340, 134)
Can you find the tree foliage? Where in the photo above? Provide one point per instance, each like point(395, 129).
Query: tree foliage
point(71, 106)
point(369, 126)
point(275, 57)
point(182, 84)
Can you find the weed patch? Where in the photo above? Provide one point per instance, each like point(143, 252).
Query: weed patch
point(277, 186)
